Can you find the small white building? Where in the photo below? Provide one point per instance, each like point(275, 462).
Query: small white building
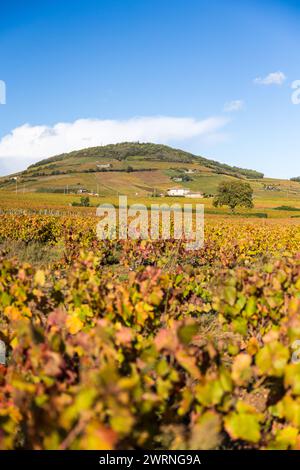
point(177, 179)
point(104, 165)
point(178, 192)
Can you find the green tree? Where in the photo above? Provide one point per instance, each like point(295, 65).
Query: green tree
point(85, 201)
point(233, 194)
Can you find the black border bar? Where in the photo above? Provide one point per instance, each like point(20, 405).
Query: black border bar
point(141, 459)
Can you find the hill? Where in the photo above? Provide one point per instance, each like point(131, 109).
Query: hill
point(128, 168)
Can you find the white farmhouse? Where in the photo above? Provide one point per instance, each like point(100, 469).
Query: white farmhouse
point(178, 192)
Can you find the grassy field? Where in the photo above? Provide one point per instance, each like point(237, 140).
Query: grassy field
point(277, 205)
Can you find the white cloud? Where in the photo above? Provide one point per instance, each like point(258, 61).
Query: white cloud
point(27, 144)
point(233, 106)
point(274, 78)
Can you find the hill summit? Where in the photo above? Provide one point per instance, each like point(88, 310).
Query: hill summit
point(148, 151)
point(128, 168)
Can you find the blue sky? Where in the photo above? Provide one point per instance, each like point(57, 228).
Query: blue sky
point(88, 72)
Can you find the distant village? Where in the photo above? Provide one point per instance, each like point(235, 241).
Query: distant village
point(171, 192)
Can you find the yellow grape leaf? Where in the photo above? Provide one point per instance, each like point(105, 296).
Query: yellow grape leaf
point(74, 325)
point(39, 278)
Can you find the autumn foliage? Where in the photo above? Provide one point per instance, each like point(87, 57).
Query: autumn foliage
point(139, 344)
